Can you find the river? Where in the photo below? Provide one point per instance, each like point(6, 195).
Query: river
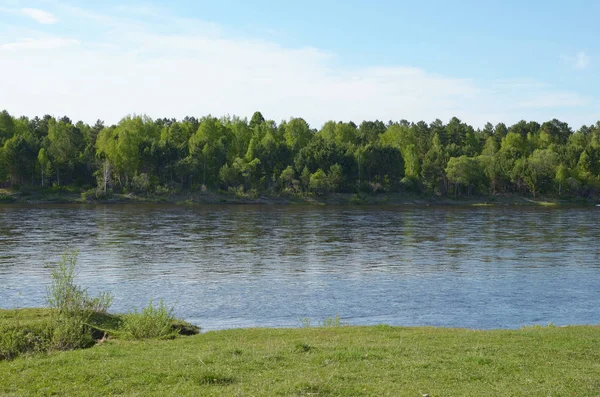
point(270, 266)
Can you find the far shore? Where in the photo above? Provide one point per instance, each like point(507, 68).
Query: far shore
point(72, 196)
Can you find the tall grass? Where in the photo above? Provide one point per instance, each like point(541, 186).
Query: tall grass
point(72, 306)
point(67, 327)
point(151, 322)
point(75, 319)
point(327, 322)
point(66, 297)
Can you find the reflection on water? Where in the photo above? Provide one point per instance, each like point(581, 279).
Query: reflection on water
point(239, 266)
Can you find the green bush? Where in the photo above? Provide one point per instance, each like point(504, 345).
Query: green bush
point(5, 198)
point(90, 194)
point(69, 298)
point(152, 322)
point(70, 332)
point(68, 325)
point(410, 184)
point(15, 341)
point(12, 343)
point(72, 307)
point(75, 319)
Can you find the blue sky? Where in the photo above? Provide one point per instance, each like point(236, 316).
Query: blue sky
point(321, 60)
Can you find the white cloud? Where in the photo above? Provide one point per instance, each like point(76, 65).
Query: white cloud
point(40, 16)
point(176, 76)
point(200, 70)
point(580, 61)
point(555, 100)
point(49, 43)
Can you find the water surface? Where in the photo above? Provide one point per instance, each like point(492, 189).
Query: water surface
point(246, 266)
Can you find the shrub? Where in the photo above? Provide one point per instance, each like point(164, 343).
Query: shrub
point(70, 331)
point(5, 198)
point(66, 297)
point(17, 340)
point(152, 322)
point(72, 307)
point(12, 343)
point(94, 194)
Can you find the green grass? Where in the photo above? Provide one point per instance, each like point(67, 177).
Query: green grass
point(547, 203)
point(322, 361)
point(34, 331)
point(112, 324)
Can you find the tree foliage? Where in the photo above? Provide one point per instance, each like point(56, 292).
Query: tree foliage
point(145, 155)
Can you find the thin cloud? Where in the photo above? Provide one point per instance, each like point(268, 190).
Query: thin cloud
point(555, 100)
point(580, 61)
point(49, 43)
point(40, 16)
point(191, 71)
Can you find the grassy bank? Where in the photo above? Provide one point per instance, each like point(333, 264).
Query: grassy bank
point(77, 196)
point(35, 331)
point(321, 361)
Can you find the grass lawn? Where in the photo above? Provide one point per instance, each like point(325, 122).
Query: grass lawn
point(325, 361)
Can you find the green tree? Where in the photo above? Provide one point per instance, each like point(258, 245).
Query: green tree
point(464, 171)
point(228, 175)
point(305, 178)
point(336, 177)
point(208, 149)
point(287, 177)
point(257, 119)
point(490, 162)
point(369, 131)
point(434, 164)
point(7, 127)
point(540, 170)
point(45, 164)
point(65, 145)
point(318, 182)
point(562, 175)
point(297, 134)
point(248, 170)
point(20, 158)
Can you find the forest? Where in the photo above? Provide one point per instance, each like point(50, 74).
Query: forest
point(142, 155)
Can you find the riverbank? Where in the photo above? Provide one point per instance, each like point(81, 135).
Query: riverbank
point(321, 361)
point(75, 196)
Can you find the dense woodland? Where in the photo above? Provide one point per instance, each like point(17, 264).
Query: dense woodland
point(260, 156)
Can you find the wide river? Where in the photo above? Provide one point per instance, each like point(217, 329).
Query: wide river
point(270, 266)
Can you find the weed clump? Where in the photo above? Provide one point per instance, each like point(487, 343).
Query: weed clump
point(328, 322)
point(12, 342)
point(72, 307)
point(151, 322)
point(76, 320)
point(68, 325)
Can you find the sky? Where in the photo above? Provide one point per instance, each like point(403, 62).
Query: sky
point(480, 61)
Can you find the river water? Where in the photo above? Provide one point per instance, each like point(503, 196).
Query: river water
point(270, 266)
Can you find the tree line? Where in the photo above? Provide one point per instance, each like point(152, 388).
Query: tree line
point(143, 155)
